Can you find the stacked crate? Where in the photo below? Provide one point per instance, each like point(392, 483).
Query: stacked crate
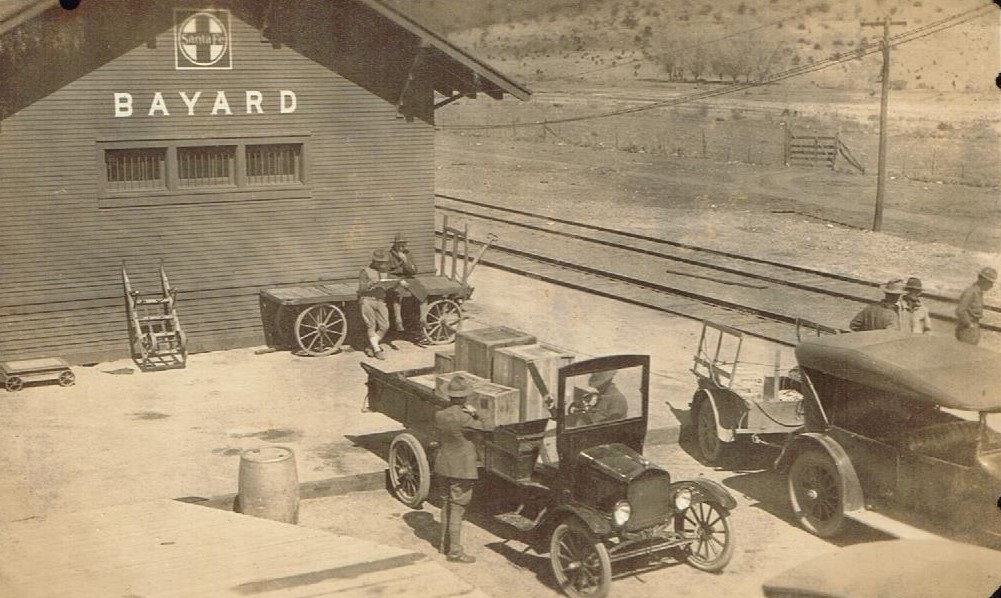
point(474, 349)
point(444, 362)
point(496, 405)
point(512, 366)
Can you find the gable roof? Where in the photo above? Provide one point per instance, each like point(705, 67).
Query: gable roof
point(364, 40)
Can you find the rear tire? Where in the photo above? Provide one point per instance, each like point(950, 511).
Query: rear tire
point(710, 446)
point(815, 491)
point(409, 471)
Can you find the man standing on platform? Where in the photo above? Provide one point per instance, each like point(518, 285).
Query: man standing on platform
point(914, 316)
point(456, 463)
point(884, 314)
point(971, 307)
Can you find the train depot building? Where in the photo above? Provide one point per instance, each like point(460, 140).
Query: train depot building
point(242, 145)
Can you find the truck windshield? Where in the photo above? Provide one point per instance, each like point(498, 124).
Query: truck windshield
point(604, 396)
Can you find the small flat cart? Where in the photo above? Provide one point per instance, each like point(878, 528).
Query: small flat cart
point(314, 316)
point(738, 400)
point(589, 499)
point(15, 374)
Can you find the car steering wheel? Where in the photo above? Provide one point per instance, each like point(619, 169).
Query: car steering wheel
point(582, 405)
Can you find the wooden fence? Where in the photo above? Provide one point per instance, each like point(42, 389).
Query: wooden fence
point(817, 150)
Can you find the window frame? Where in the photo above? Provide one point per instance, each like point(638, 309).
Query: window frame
point(175, 194)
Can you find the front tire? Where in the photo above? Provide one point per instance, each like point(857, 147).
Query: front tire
point(580, 562)
point(714, 543)
point(815, 491)
point(409, 471)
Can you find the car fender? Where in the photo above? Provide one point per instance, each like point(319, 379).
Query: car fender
point(852, 497)
point(724, 434)
point(709, 490)
point(593, 520)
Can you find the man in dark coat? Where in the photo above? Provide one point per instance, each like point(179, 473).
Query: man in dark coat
point(610, 403)
point(971, 307)
point(884, 314)
point(456, 463)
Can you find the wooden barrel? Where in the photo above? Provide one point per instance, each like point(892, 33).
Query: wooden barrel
point(269, 484)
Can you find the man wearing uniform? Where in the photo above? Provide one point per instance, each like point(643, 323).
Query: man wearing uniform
point(914, 316)
point(971, 307)
point(456, 463)
point(372, 297)
point(401, 264)
point(884, 314)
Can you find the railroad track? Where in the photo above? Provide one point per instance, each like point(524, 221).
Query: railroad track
point(762, 297)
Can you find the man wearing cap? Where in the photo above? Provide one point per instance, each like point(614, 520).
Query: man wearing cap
point(610, 403)
point(914, 316)
point(372, 298)
point(400, 264)
point(884, 314)
point(971, 307)
point(456, 463)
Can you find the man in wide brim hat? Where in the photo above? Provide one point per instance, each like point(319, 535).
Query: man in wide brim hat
point(914, 315)
point(884, 314)
point(971, 306)
point(456, 463)
point(372, 300)
point(401, 263)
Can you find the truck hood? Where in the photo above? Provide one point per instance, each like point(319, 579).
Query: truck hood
point(617, 461)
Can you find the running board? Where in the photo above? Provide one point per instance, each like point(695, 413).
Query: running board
point(890, 526)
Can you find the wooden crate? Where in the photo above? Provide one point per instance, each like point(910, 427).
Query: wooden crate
point(496, 405)
point(511, 368)
point(474, 349)
point(442, 380)
point(513, 450)
point(427, 380)
point(444, 362)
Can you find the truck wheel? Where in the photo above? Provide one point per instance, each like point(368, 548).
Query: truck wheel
point(815, 491)
point(580, 562)
point(710, 445)
point(709, 525)
point(409, 471)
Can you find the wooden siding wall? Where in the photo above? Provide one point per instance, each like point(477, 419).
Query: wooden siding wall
point(370, 174)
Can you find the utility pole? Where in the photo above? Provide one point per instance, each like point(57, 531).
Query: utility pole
point(877, 221)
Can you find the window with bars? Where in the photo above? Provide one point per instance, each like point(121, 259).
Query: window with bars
point(207, 166)
point(136, 169)
point(274, 164)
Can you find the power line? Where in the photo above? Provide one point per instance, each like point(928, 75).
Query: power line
point(860, 52)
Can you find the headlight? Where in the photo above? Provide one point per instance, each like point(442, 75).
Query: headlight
point(682, 499)
point(621, 513)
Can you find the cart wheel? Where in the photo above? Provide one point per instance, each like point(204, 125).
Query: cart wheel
point(409, 471)
point(321, 329)
point(14, 384)
point(580, 562)
point(709, 524)
point(444, 317)
point(815, 493)
point(67, 378)
point(710, 445)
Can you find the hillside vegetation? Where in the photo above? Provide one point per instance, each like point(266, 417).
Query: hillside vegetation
point(725, 40)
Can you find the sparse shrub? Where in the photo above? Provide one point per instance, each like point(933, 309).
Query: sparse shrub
point(736, 113)
point(817, 46)
point(898, 84)
point(944, 126)
point(801, 26)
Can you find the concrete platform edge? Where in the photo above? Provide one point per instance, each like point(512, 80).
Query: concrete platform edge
point(376, 480)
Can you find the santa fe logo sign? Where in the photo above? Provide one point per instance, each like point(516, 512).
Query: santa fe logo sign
point(202, 40)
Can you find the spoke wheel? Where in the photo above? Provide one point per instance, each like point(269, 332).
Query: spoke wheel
point(709, 525)
point(14, 384)
point(321, 329)
point(67, 378)
point(444, 317)
point(710, 445)
point(815, 493)
point(580, 562)
point(409, 471)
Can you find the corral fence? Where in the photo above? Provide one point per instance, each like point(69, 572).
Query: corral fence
point(817, 150)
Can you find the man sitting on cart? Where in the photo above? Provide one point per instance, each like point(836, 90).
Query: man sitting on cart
point(372, 286)
point(401, 263)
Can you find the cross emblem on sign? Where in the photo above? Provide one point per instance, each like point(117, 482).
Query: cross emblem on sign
point(203, 42)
